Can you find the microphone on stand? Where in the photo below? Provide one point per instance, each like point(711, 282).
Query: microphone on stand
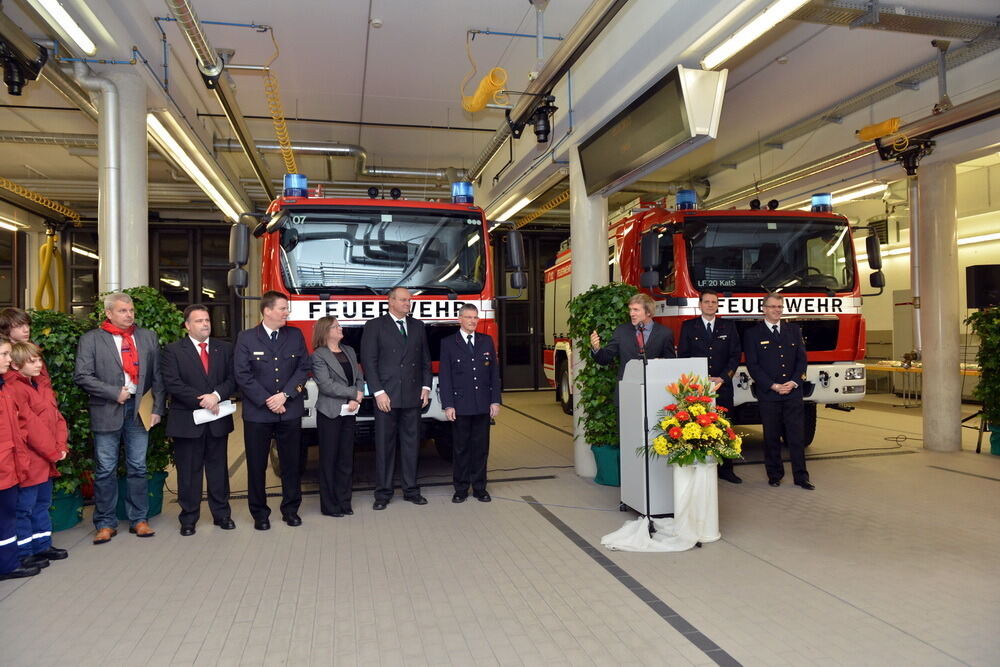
point(640, 341)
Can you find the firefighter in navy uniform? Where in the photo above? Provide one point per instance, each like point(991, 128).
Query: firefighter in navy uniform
point(270, 365)
point(469, 380)
point(717, 340)
point(776, 359)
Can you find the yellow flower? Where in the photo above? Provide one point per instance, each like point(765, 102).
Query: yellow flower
point(660, 445)
point(692, 431)
point(723, 422)
point(667, 423)
point(697, 410)
point(738, 445)
point(713, 432)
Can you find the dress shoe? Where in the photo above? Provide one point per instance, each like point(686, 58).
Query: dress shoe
point(347, 510)
point(20, 572)
point(292, 519)
point(261, 524)
point(380, 504)
point(104, 535)
point(142, 529)
point(225, 524)
point(774, 482)
point(52, 553)
point(337, 514)
point(730, 476)
point(35, 561)
point(187, 530)
point(416, 500)
point(483, 497)
point(807, 485)
point(459, 498)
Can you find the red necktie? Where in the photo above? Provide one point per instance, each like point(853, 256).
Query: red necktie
point(640, 341)
point(204, 356)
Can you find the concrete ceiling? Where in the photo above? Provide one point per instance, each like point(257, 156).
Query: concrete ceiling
point(344, 80)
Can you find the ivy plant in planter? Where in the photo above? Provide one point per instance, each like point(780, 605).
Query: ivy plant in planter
point(154, 312)
point(600, 309)
point(986, 325)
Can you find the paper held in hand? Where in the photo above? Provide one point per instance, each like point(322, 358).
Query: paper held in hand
point(347, 412)
point(204, 416)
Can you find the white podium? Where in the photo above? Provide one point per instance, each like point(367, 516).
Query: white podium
point(659, 373)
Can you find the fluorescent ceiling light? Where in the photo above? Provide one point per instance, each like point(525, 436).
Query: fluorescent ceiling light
point(80, 250)
point(767, 19)
point(11, 224)
point(510, 212)
point(180, 156)
point(968, 240)
point(56, 14)
point(842, 196)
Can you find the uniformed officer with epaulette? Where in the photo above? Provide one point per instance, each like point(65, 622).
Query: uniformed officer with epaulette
point(469, 380)
point(270, 365)
point(776, 359)
point(717, 340)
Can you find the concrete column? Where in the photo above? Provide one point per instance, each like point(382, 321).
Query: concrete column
point(939, 307)
point(134, 219)
point(588, 237)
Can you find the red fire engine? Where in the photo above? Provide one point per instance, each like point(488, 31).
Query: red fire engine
point(743, 254)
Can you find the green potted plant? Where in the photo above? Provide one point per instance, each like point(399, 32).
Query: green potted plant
point(600, 309)
point(58, 334)
point(154, 312)
point(986, 325)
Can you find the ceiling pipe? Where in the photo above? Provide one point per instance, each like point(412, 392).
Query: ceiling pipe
point(212, 69)
point(593, 21)
point(55, 77)
point(925, 128)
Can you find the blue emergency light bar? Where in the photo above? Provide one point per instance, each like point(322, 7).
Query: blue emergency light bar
point(822, 202)
point(687, 200)
point(461, 193)
point(296, 185)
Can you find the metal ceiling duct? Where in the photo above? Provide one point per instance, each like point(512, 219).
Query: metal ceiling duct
point(927, 127)
point(593, 21)
point(879, 16)
point(212, 71)
point(51, 73)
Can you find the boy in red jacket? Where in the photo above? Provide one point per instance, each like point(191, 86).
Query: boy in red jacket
point(44, 444)
point(10, 435)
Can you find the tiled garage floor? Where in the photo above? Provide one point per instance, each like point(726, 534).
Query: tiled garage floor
point(892, 560)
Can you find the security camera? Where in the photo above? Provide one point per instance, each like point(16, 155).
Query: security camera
point(18, 68)
point(540, 119)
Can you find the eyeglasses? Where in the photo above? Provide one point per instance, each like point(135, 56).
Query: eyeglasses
point(778, 307)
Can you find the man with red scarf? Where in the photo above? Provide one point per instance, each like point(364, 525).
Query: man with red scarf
point(116, 364)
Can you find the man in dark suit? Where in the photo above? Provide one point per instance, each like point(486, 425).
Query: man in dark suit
point(198, 374)
point(397, 366)
point(270, 365)
point(469, 380)
point(776, 359)
point(657, 340)
point(717, 340)
point(116, 364)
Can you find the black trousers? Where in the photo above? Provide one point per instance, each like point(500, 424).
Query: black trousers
point(725, 399)
point(336, 462)
point(257, 441)
point(194, 457)
point(783, 420)
point(471, 449)
point(398, 427)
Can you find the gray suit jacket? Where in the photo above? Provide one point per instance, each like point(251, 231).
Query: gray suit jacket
point(334, 391)
point(99, 373)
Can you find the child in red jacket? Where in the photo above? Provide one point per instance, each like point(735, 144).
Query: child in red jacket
point(10, 436)
point(44, 444)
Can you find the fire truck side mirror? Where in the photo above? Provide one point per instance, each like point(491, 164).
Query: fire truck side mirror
point(239, 243)
point(874, 252)
point(518, 280)
point(650, 250)
point(515, 251)
point(238, 278)
point(877, 280)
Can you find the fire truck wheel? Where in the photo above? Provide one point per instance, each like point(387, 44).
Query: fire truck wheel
point(563, 394)
point(809, 422)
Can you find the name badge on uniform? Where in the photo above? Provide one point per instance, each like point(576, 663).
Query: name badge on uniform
point(764, 342)
point(486, 358)
point(722, 337)
point(258, 354)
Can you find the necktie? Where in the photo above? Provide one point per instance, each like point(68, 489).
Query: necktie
point(402, 328)
point(204, 355)
point(640, 341)
point(274, 336)
point(774, 328)
point(472, 348)
point(708, 327)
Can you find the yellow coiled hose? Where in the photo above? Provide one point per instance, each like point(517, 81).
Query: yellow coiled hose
point(46, 296)
point(273, 94)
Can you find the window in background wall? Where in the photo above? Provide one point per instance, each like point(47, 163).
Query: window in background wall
point(81, 264)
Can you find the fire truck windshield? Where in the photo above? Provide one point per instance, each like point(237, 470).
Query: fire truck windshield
point(343, 250)
point(753, 254)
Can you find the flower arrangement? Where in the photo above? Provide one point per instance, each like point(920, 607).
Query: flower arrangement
point(692, 429)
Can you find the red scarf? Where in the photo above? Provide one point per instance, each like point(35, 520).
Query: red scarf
point(130, 357)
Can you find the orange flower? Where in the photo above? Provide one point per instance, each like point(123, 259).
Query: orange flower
point(676, 432)
point(703, 420)
point(696, 387)
point(683, 416)
point(670, 408)
point(673, 389)
point(731, 434)
point(721, 408)
point(714, 416)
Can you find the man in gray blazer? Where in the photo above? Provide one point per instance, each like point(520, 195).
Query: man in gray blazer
point(116, 364)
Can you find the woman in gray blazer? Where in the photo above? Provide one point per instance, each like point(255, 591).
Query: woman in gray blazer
point(338, 376)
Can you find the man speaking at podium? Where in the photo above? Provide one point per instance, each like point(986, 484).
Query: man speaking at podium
point(630, 340)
